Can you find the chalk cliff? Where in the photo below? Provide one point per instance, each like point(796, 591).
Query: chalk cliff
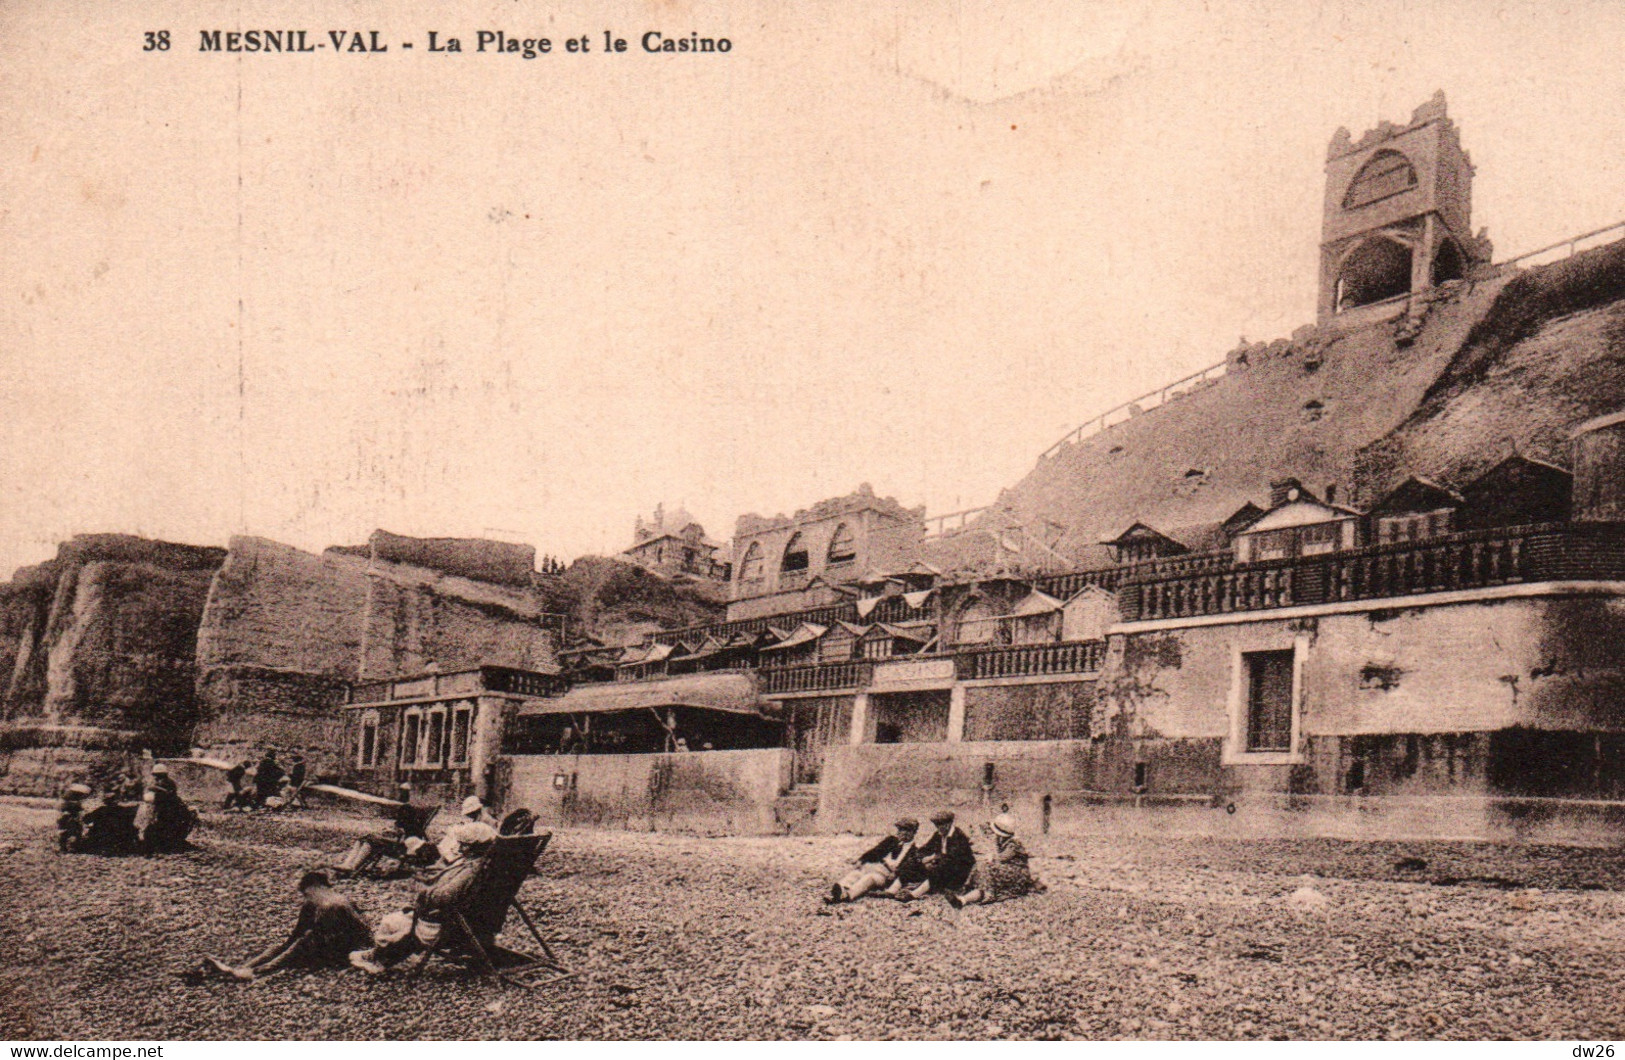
point(98, 651)
point(285, 631)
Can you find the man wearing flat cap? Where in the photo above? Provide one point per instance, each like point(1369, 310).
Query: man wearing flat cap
point(946, 856)
point(892, 861)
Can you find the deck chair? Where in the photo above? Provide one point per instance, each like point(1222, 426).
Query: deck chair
point(468, 936)
point(388, 857)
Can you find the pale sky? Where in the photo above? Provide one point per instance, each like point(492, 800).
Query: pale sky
point(304, 296)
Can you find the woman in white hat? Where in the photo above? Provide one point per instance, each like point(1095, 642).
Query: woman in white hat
point(473, 812)
point(1004, 873)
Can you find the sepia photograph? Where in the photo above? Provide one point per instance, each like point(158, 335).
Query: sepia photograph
point(712, 520)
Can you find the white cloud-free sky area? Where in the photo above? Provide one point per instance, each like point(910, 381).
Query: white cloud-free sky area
point(304, 296)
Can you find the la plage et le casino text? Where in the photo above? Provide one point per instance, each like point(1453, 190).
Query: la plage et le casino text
point(435, 42)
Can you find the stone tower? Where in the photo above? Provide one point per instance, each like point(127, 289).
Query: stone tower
point(1399, 204)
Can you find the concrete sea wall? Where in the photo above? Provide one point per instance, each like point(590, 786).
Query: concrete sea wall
point(711, 792)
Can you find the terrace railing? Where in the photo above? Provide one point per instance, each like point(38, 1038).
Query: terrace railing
point(523, 683)
point(1212, 583)
point(1144, 403)
point(1431, 567)
point(823, 677)
point(1472, 560)
point(893, 609)
point(1065, 586)
point(821, 616)
point(1030, 660)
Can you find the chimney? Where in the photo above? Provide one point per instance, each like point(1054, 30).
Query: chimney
point(1285, 491)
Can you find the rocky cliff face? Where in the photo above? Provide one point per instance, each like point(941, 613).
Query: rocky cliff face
point(98, 651)
point(1547, 355)
point(285, 631)
point(620, 602)
point(121, 644)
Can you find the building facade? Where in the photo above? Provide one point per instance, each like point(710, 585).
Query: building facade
point(675, 546)
point(818, 556)
point(1420, 634)
point(1397, 213)
point(439, 732)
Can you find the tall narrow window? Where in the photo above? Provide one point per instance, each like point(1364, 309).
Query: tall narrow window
point(1269, 700)
point(750, 568)
point(434, 736)
point(795, 554)
point(367, 756)
point(843, 547)
point(410, 729)
point(461, 722)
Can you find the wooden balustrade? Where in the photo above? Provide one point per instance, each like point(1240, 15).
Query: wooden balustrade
point(1030, 660)
point(1472, 560)
point(1065, 586)
point(825, 677)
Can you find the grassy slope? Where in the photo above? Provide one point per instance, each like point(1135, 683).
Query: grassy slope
point(1508, 365)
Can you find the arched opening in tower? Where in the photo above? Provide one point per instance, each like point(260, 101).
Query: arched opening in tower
point(1378, 269)
point(1447, 263)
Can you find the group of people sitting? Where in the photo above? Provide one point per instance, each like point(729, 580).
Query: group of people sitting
point(132, 816)
point(265, 785)
point(904, 866)
point(331, 932)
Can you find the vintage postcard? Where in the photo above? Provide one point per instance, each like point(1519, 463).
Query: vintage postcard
point(711, 519)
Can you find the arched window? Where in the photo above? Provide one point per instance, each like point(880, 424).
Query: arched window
point(750, 568)
point(795, 554)
point(1388, 173)
point(976, 624)
point(843, 547)
point(1378, 269)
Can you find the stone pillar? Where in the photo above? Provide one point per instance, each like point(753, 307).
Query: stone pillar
point(485, 744)
point(1422, 255)
point(860, 720)
point(956, 714)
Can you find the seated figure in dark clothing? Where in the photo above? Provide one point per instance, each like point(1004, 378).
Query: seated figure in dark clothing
point(398, 843)
point(947, 857)
point(293, 792)
point(268, 777)
point(163, 820)
point(238, 795)
point(70, 814)
point(328, 930)
point(892, 862)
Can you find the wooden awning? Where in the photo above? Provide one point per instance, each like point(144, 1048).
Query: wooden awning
point(733, 693)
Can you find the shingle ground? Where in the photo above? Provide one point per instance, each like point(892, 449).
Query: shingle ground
point(726, 938)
